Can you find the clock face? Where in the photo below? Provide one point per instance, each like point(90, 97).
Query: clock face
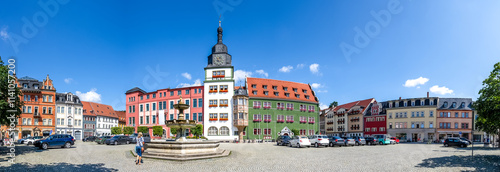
point(219, 60)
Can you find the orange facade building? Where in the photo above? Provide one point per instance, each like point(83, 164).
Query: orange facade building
point(38, 116)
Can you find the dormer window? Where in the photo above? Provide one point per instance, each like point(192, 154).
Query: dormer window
point(412, 103)
point(264, 86)
point(405, 104)
point(285, 88)
point(254, 86)
point(445, 104)
point(275, 87)
point(462, 105)
point(297, 95)
point(276, 93)
point(35, 86)
point(25, 85)
point(421, 103)
point(454, 104)
point(266, 93)
point(294, 89)
point(305, 91)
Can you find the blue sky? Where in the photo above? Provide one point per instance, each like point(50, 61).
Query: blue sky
point(100, 50)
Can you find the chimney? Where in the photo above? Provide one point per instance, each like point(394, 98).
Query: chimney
point(427, 94)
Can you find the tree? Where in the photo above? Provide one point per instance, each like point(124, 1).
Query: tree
point(197, 131)
point(157, 130)
point(333, 104)
point(173, 130)
point(142, 129)
point(295, 132)
point(488, 104)
point(8, 81)
point(116, 130)
point(128, 130)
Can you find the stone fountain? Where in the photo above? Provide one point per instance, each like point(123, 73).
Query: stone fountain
point(183, 149)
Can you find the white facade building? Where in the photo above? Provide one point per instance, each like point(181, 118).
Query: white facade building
point(69, 117)
point(218, 94)
point(104, 124)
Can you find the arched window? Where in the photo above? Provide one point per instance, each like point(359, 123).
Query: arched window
point(212, 131)
point(224, 131)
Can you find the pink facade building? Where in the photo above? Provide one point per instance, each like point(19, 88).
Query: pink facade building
point(153, 108)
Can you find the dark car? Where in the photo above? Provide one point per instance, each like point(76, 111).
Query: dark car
point(283, 140)
point(56, 140)
point(132, 138)
point(89, 139)
point(102, 139)
point(371, 140)
point(455, 142)
point(349, 141)
point(465, 139)
point(115, 140)
point(336, 140)
point(359, 140)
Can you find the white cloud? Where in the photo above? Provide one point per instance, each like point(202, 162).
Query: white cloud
point(239, 75)
point(91, 96)
point(314, 68)
point(68, 80)
point(415, 82)
point(186, 75)
point(4, 34)
point(286, 69)
point(322, 106)
point(315, 85)
point(440, 90)
point(300, 66)
point(321, 91)
point(262, 72)
point(197, 82)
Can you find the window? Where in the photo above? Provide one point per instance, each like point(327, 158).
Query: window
point(50, 110)
point(445, 104)
point(304, 91)
point(412, 114)
point(256, 104)
point(456, 125)
point(264, 86)
point(187, 102)
point(212, 131)
point(223, 88)
point(194, 102)
point(187, 92)
point(297, 95)
point(147, 107)
point(257, 118)
point(276, 94)
point(200, 102)
point(266, 93)
point(254, 86)
point(171, 116)
point(160, 107)
point(294, 89)
point(141, 108)
point(431, 113)
point(213, 117)
point(390, 115)
point(224, 102)
point(256, 131)
point(254, 92)
point(224, 131)
point(224, 116)
point(154, 106)
point(44, 110)
point(213, 103)
point(140, 120)
point(430, 124)
point(212, 89)
point(412, 103)
point(179, 92)
point(171, 93)
point(390, 125)
point(200, 117)
point(456, 114)
point(287, 94)
point(285, 88)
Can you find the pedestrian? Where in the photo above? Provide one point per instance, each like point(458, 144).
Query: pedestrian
point(139, 148)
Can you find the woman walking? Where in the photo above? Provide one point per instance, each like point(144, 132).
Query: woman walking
point(139, 148)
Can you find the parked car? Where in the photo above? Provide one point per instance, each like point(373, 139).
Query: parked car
point(300, 141)
point(319, 140)
point(371, 140)
point(283, 140)
point(102, 139)
point(349, 141)
point(21, 141)
point(383, 139)
point(465, 139)
point(30, 141)
point(359, 140)
point(56, 140)
point(115, 140)
point(455, 142)
point(395, 139)
point(146, 137)
point(336, 141)
point(89, 139)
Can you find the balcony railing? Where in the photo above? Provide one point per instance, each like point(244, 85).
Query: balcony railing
point(329, 123)
point(240, 122)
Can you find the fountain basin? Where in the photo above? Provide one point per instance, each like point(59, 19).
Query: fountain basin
point(186, 150)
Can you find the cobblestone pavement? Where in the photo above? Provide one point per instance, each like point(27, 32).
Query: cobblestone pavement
point(85, 156)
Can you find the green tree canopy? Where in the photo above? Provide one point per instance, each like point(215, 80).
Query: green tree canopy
point(142, 129)
point(334, 103)
point(488, 103)
point(197, 131)
point(173, 131)
point(116, 130)
point(295, 132)
point(8, 89)
point(157, 130)
point(128, 130)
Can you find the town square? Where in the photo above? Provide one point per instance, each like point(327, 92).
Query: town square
point(234, 85)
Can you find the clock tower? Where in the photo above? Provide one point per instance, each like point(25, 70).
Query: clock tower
point(218, 93)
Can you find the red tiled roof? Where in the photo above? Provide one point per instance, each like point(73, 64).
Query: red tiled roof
point(260, 82)
point(101, 109)
point(121, 115)
point(348, 106)
point(87, 109)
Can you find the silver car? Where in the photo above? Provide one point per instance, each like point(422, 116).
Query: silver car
point(336, 141)
point(299, 141)
point(319, 140)
point(349, 141)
